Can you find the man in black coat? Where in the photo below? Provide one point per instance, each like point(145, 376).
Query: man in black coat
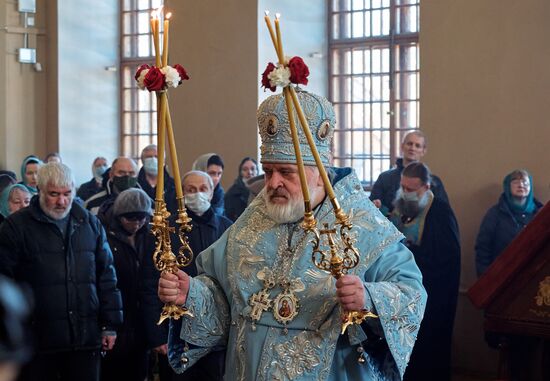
point(60, 251)
point(431, 233)
point(207, 227)
point(413, 148)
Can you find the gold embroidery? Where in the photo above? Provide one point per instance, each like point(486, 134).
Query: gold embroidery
point(543, 295)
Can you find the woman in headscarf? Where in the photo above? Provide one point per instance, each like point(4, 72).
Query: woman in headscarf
point(29, 173)
point(514, 210)
point(13, 198)
point(236, 198)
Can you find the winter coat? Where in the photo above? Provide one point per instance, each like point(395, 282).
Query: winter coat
point(498, 228)
point(236, 199)
point(89, 189)
point(73, 279)
point(387, 184)
point(169, 190)
point(127, 261)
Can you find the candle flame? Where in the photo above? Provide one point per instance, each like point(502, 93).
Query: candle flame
point(266, 12)
point(168, 15)
point(277, 16)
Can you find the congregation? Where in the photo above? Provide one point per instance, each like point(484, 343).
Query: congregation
point(86, 254)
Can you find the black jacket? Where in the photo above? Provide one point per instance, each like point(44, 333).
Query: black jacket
point(132, 278)
point(88, 189)
point(169, 190)
point(499, 227)
point(73, 280)
point(236, 199)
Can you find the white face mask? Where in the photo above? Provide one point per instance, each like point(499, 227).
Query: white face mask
point(198, 202)
point(410, 196)
point(150, 165)
point(98, 173)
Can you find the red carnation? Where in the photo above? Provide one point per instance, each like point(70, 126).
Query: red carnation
point(265, 81)
point(181, 72)
point(298, 71)
point(140, 69)
point(154, 79)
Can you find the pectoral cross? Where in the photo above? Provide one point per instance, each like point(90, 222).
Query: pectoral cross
point(259, 302)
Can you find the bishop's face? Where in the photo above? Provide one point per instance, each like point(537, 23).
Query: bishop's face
point(283, 191)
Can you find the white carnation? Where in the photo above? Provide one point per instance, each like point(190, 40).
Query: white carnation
point(280, 76)
point(141, 78)
point(172, 76)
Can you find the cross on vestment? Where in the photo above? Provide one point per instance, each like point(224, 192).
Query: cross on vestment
point(259, 302)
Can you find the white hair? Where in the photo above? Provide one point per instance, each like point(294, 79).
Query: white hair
point(55, 174)
point(200, 173)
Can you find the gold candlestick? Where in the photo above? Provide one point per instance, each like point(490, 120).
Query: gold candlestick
point(163, 257)
point(341, 255)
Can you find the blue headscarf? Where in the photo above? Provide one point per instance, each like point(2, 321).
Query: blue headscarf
point(29, 160)
point(529, 205)
point(5, 196)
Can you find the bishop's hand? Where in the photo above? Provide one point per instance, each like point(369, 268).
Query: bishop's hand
point(173, 288)
point(351, 292)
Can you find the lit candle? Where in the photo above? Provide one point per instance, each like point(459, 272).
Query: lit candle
point(165, 39)
point(279, 39)
point(271, 32)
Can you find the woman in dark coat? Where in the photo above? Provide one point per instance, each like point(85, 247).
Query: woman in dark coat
point(131, 244)
point(236, 198)
point(514, 210)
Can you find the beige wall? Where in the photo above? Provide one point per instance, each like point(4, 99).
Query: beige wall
point(485, 90)
point(23, 96)
point(215, 111)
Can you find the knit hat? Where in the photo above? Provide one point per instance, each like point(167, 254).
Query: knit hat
point(274, 128)
point(132, 200)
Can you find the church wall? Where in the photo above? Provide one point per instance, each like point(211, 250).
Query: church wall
point(215, 111)
point(23, 97)
point(484, 95)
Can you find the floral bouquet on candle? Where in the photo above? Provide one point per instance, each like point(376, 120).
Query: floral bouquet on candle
point(154, 79)
point(294, 70)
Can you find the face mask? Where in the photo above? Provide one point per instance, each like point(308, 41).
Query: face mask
point(98, 172)
point(410, 196)
point(150, 165)
point(197, 202)
point(124, 182)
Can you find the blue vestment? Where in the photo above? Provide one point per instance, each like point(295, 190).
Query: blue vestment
point(230, 273)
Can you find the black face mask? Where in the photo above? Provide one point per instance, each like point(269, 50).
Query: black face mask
point(124, 182)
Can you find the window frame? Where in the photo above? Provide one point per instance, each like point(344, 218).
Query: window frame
point(339, 47)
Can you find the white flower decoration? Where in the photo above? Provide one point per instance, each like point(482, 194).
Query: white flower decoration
point(172, 76)
point(141, 78)
point(280, 76)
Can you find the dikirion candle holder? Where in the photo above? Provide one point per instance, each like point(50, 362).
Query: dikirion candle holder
point(333, 247)
point(159, 78)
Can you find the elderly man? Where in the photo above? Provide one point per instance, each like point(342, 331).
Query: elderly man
point(207, 227)
point(264, 259)
point(413, 148)
point(60, 250)
point(123, 175)
point(431, 233)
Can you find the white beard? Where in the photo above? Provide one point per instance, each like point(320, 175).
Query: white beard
point(292, 211)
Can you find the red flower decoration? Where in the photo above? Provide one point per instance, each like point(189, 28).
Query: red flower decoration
point(181, 72)
point(154, 79)
point(140, 69)
point(265, 81)
point(298, 71)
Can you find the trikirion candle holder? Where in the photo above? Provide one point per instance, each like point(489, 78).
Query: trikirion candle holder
point(333, 247)
point(159, 79)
